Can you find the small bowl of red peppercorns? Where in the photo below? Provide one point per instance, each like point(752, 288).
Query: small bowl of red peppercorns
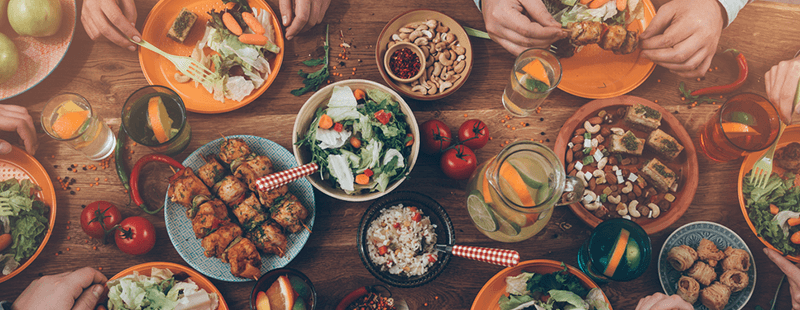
point(404, 62)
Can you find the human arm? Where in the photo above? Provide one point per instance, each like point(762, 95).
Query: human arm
point(792, 275)
point(783, 84)
point(300, 15)
point(79, 290)
point(113, 19)
point(660, 301)
point(520, 24)
point(16, 118)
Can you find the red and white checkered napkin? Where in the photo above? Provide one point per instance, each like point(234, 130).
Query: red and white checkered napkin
point(507, 258)
point(278, 179)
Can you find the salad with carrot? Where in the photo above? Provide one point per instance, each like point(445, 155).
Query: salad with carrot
point(361, 140)
point(553, 291)
point(241, 39)
point(23, 223)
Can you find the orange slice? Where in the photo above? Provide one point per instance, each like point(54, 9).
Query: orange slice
point(513, 178)
point(69, 123)
point(159, 119)
point(738, 129)
point(619, 249)
point(281, 294)
point(262, 301)
point(536, 70)
point(487, 195)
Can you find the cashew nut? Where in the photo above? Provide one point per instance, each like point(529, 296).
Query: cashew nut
point(454, 78)
point(622, 209)
point(600, 175)
point(414, 35)
point(602, 163)
point(655, 211)
point(632, 209)
point(445, 75)
point(442, 28)
point(446, 60)
point(627, 217)
point(412, 25)
point(403, 35)
point(580, 176)
point(428, 34)
point(432, 23)
point(425, 52)
point(444, 86)
point(389, 45)
point(436, 39)
point(448, 37)
point(396, 37)
point(460, 66)
point(440, 46)
point(628, 187)
point(406, 30)
point(591, 129)
point(460, 50)
point(421, 41)
point(422, 27)
point(437, 69)
point(614, 199)
point(432, 91)
point(589, 196)
point(593, 206)
point(180, 78)
point(618, 131)
point(460, 57)
point(419, 88)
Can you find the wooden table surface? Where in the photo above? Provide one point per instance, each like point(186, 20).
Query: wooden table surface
point(106, 74)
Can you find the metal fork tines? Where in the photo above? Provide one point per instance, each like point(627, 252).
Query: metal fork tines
point(186, 65)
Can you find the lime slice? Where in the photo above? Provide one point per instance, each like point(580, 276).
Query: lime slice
point(508, 228)
point(743, 118)
point(479, 211)
point(633, 255)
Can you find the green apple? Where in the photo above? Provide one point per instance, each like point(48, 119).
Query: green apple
point(9, 59)
point(36, 18)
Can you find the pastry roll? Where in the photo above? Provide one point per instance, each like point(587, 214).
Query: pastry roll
point(681, 257)
point(737, 280)
point(715, 297)
point(736, 259)
point(702, 273)
point(688, 289)
point(709, 252)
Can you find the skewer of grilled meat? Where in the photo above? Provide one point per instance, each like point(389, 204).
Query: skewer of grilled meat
point(290, 214)
point(244, 258)
point(210, 216)
point(229, 189)
point(216, 242)
point(249, 212)
point(250, 168)
point(615, 37)
point(211, 172)
point(184, 186)
point(269, 238)
point(233, 148)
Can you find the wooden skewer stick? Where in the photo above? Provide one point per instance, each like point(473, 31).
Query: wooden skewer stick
point(304, 225)
point(223, 136)
point(280, 251)
point(173, 170)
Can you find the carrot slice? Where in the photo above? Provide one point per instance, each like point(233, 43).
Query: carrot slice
point(253, 39)
point(793, 221)
point(325, 121)
point(362, 179)
point(619, 250)
point(536, 70)
point(621, 5)
point(253, 23)
point(585, 2)
point(597, 3)
point(231, 23)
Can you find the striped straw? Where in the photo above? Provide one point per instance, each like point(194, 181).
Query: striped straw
point(507, 258)
point(278, 179)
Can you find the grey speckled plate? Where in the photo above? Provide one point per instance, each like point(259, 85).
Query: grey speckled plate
point(690, 234)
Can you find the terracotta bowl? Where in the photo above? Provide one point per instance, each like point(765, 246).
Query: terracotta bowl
point(388, 57)
point(420, 15)
point(687, 160)
point(308, 113)
point(197, 278)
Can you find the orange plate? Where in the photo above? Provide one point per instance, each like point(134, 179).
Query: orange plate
point(160, 71)
point(496, 286)
point(199, 279)
point(790, 134)
point(597, 73)
point(687, 160)
point(20, 165)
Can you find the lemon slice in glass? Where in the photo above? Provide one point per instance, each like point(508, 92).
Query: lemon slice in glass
point(633, 255)
point(479, 211)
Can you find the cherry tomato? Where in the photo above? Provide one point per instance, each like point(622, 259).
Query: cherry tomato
point(459, 162)
point(383, 116)
point(99, 217)
point(473, 133)
point(136, 236)
point(435, 136)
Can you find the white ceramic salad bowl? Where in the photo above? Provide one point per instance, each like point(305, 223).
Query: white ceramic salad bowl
point(307, 115)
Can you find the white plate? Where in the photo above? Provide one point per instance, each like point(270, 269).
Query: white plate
point(179, 226)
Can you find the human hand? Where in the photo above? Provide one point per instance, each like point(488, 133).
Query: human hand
point(683, 36)
point(520, 24)
point(783, 83)
point(306, 15)
point(78, 290)
point(660, 301)
point(792, 275)
point(113, 19)
point(16, 118)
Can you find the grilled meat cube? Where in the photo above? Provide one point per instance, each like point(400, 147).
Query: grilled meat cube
point(210, 216)
point(244, 259)
point(233, 148)
point(212, 172)
point(613, 38)
point(629, 45)
point(252, 168)
point(249, 211)
point(290, 214)
point(230, 189)
point(182, 25)
point(184, 186)
point(643, 117)
point(585, 32)
point(196, 202)
point(788, 157)
point(659, 175)
point(626, 143)
point(216, 243)
point(269, 197)
point(269, 238)
point(664, 144)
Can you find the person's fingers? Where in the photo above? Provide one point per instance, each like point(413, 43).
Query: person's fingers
point(85, 277)
point(122, 30)
point(698, 71)
point(659, 23)
point(523, 40)
point(14, 108)
point(673, 302)
point(89, 298)
point(786, 91)
point(5, 147)
point(23, 125)
point(302, 10)
point(672, 37)
point(286, 12)
point(129, 10)
point(512, 48)
point(791, 271)
point(689, 64)
point(538, 12)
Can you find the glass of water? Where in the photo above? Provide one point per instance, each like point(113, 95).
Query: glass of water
point(536, 73)
point(70, 118)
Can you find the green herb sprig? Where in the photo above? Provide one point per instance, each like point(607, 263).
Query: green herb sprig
point(313, 80)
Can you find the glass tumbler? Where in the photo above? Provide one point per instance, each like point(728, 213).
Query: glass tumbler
point(535, 74)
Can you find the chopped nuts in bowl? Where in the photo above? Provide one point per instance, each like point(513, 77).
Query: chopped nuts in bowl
point(444, 43)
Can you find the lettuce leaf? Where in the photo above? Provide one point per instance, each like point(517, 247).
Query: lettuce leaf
point(513, 301)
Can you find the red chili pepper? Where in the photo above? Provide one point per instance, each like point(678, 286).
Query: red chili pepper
point(723, 89)
point(383, 116)
point(432, 258)
point(369, 172)
point(338, 127)
point(137, 169)
point(404, 63)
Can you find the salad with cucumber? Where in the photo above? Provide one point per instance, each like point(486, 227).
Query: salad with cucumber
point(360, 140)
point(559, 290)
point(23, 223)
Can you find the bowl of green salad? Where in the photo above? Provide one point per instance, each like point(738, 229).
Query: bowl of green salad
point(363, 136)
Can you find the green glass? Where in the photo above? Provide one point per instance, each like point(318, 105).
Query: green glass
point(135, 120)
point(596, 253)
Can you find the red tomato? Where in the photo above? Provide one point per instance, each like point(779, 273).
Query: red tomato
point(459, 162)
point(338, 127)
point(99, 217)
point(136, 236)
point(383, 116)
point(435, 136)
point(473, 133)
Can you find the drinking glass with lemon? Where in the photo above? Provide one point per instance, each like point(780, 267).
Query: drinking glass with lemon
point(155, 116)
point(69, 118)
point(536, 73)
point(746, 123)
point(617, 250)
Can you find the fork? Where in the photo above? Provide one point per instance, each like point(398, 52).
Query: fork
point(762, 169)
point(186, 65)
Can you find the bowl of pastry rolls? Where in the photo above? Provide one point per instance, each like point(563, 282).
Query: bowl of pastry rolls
point(708, 265)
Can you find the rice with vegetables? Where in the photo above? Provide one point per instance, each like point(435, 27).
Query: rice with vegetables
point(401, 240)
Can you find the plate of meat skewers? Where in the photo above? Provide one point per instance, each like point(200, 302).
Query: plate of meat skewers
point(225, 228)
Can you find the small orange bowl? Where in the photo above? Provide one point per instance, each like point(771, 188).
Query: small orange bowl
point(197, 278)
